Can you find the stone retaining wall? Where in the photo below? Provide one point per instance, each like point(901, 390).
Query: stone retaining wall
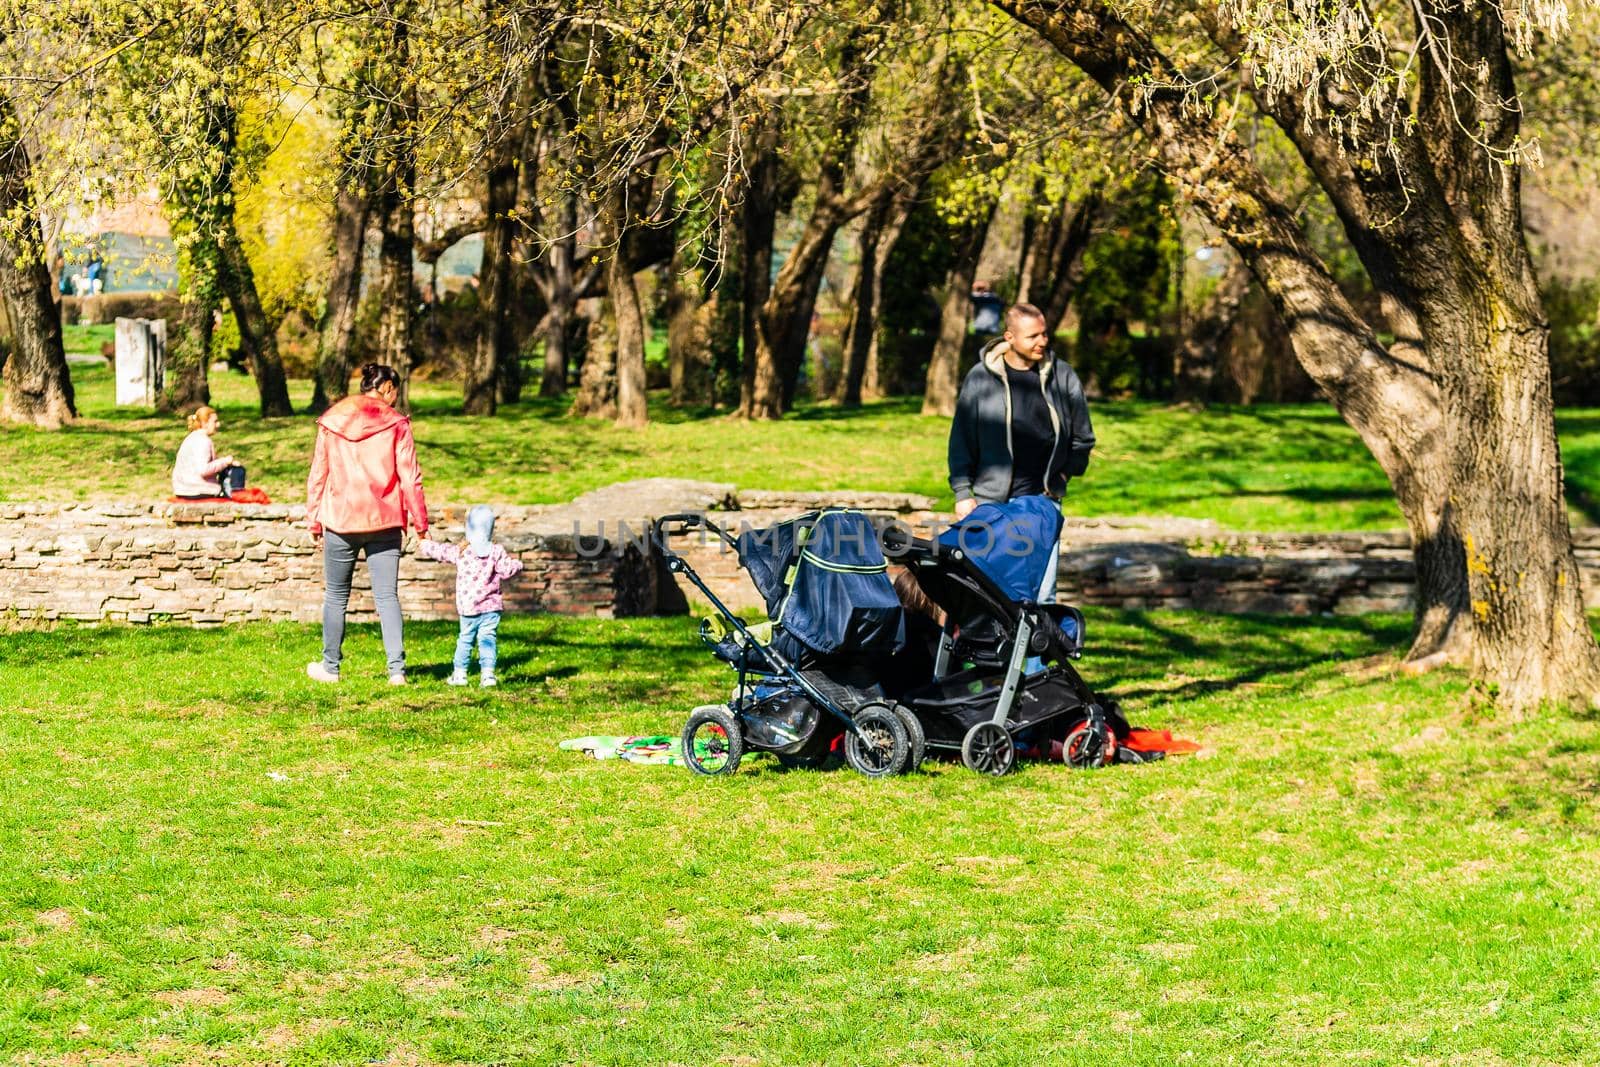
point(213, 564)
point(209, 564)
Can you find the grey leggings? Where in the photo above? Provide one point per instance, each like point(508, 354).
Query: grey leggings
point(339, 553)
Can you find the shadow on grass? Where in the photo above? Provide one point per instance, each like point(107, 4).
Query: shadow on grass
point(644, 663)
point(1247, 649)
point(1581, 500)
point(814, 412)
point(1575, 425)
point(1309, 494)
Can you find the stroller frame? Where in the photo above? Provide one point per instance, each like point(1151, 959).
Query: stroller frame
point(1030, 629)
point(679, 565)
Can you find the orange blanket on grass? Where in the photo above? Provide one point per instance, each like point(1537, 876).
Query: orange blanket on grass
point(1141, 740)
point(247, 495)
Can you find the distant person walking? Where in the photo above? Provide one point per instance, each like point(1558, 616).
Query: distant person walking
point(364, 489)
point(198, 473)
point(1021, 425)
point(986, 310)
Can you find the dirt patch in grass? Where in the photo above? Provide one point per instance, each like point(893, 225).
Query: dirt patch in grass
point(288, 1035)
point(493, 935)
point(791, 918)
point(57, 919)
point(545, 980)
point(192, 998)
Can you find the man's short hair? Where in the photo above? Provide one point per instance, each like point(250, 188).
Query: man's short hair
point(1017, 312)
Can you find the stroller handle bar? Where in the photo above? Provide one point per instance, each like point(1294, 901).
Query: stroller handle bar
point(668, 525)
point(671, 525)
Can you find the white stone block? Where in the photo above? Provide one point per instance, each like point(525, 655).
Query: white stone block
point(141, 359)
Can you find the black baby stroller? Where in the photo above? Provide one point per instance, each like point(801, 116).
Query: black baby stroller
point(985, 573)
point(807, 676)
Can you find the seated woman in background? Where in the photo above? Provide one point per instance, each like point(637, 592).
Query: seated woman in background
point(199, 474)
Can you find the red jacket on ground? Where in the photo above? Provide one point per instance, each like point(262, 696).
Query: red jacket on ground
point(364, 474)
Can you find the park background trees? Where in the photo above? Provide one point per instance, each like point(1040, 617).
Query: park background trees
point(743, 206)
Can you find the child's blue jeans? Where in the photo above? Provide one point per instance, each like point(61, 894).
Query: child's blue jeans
point(479, 628)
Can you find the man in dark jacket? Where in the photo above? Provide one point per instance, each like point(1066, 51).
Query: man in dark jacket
point(1021, 424)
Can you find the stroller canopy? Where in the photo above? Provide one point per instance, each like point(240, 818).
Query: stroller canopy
point(824, 579)
point(1010, 543)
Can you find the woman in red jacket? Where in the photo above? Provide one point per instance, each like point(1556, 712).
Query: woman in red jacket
point(364, 489)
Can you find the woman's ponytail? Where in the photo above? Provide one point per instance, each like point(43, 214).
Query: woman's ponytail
point(375, 374)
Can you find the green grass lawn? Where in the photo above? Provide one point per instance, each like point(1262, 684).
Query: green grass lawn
point(87, 340)
point(1261, 468)
point(207, 858)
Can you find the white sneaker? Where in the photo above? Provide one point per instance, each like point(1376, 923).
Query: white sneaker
point(488, 681)
point(318, 673)
point(457, 678)
point(397, 678)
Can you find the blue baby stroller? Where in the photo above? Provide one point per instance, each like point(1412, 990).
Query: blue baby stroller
point(808, 676)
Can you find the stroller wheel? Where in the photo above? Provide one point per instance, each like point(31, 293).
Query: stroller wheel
point(1088, 746)
point(917, 746)
point(878, 747)
point(712, 741)
point(917, 737)
point(988, 749)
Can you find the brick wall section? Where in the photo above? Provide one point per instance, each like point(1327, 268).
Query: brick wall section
point(212, 564)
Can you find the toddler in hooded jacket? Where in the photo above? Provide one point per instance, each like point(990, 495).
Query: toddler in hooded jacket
point(481, 565)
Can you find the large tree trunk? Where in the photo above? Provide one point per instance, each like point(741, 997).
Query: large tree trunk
point(1037, 237)
point(759, 220)
point(702, 331)
point(396, 208)
point(352, 210)
point(494, 348)
point(878, 233)
point(202, 292)
point(944, 368)
point(396, 293)
point(873, 386)
point(187, 378)
point(1384, 215)
point(1530, 638)
point(631, 407)
point(785, 320)
point(208, 203)
point(597, 382)
point(1194, 372)
point(623, 396)
point(689, 312)
point(861, 376)
point(522, 300)
point(561, 298)
point(1452, 265)
point(703, 314)
point(1064, 259)
point(256, 331)
point(188, 383)
point(38, 383)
